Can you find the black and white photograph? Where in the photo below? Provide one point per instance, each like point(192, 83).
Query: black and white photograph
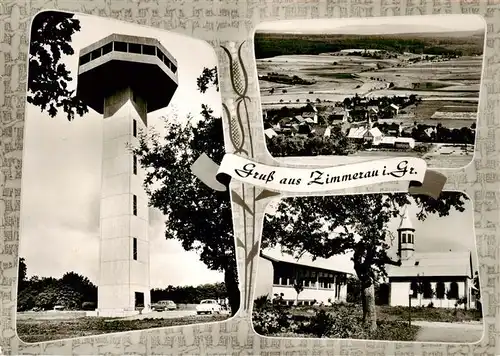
point(116, 233)
point(341, 91)
point(385, 266)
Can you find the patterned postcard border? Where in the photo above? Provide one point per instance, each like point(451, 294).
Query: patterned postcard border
point(228, 26)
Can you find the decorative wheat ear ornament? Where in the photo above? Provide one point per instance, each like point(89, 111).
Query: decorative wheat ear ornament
point(239, 83)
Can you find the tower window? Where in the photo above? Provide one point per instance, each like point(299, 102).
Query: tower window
point(134, 248)
point(403, 240)
point(107, 48)
point(120, 46)
point(134, 128)
point(160, 54)
point(134, 207)
point(150, 50)
point(85, 59)
point(135, 164)
point(134, 48)
point(95, 54)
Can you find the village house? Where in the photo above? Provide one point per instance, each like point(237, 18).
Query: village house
point(270, 133)
point(323, 280)
point(394, 109)
point(367, 134)
point(338, 114)
point(444, 277)
point(373, 111)
point(404, 142)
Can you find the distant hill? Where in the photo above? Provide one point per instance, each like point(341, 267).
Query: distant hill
point(443, 43)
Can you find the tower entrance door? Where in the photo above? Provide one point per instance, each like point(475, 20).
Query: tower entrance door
point(139, 300)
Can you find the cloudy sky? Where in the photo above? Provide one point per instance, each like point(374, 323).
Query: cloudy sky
point(62, 172)
point(378, 25)
point(435, 234)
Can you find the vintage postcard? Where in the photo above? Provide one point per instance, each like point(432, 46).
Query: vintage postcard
point(249, 177)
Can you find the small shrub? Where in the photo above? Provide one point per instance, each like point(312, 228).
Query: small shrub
point(321, 324)
point(430, 305)
point(261, 302)
point(271, 321)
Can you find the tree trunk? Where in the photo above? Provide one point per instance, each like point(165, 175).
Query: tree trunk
point(233, 291)
point(369, 312)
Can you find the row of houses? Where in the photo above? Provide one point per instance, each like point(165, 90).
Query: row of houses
point(375, 138)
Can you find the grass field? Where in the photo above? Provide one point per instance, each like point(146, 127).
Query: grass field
point(32, 330)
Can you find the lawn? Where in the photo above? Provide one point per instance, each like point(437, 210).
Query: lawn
point(388, 313)
point(32, 330)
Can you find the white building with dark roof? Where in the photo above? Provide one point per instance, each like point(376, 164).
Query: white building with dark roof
point(437, 278)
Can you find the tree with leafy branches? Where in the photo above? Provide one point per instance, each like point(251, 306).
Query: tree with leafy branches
point(355, 224)
point(48, 77)
point(196, 215)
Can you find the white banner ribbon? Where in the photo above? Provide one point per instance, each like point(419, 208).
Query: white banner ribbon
point(287, 179)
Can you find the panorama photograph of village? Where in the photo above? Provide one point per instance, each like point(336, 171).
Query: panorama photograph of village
point(352, 90)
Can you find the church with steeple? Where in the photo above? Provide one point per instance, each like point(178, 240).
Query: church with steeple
point(438, 279)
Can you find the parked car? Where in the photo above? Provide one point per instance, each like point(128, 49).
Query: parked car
point(208, 306)
point(163, 305)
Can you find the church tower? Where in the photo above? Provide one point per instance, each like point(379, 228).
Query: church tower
point(406, 237)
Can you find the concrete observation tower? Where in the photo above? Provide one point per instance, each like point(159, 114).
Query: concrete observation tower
point(124, 78)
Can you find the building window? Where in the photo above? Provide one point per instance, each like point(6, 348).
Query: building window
point(440, 290)
point(134, 128)
point(134, 207)
point(85, 59)
point(134, 48)
point(150, 50)
point(403, 239)
point(95, 54)
point(135, 164)
point(107, 48)
point(134, 248)
point(453, 291)
point(160, 55)
point(427, 290)
point(414, 289)
point(120, 46)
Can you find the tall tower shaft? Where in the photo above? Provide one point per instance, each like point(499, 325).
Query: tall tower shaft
point(123, 78)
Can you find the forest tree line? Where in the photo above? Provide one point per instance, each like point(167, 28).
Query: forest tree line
point(271, 45)
point(76, 292)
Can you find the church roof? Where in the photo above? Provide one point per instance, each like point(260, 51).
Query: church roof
point(434, 264)
point(405, 221)
point(337, 263)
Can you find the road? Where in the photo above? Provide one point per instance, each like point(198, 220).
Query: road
point(449, 332)
point(65, 315)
